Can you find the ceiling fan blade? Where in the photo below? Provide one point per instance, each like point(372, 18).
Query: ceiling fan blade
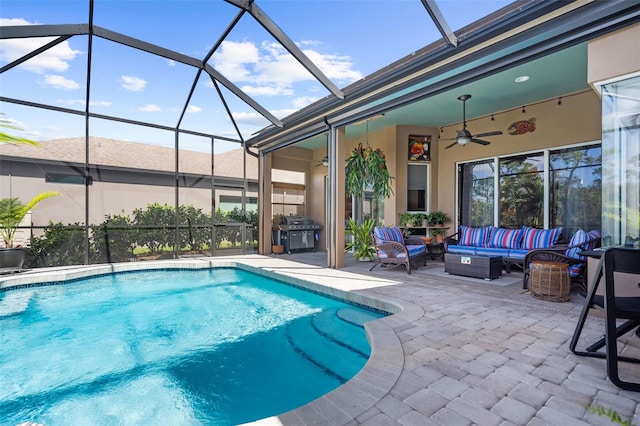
point(480, 141)
point(455, 143)
point(481, 135)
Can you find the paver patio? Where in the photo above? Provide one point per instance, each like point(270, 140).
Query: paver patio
point(473, 352)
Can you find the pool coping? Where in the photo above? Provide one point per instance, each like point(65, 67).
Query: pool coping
point(343, 404)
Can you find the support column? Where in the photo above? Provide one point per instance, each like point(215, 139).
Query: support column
point(265, 212)
point(335, 221)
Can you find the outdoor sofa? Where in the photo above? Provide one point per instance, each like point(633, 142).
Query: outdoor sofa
point(512, 244)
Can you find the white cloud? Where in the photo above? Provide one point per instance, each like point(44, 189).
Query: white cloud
point(171, 62)
point(269, 70)
point(150, 108)
point(55, 59)
point(101, 103)
point(135, 84)
point(59, 82)
point(193, 108)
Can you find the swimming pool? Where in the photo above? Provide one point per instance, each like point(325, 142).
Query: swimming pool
point(216, 346)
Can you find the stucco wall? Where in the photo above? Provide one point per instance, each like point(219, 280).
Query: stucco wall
point(577, 120)
point(614, 55)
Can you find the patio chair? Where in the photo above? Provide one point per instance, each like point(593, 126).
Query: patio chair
point(620, 300)
point(393, 249)
point(569, 254)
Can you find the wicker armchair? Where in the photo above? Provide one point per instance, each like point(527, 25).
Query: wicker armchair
point(393, 249)
point(568, 254)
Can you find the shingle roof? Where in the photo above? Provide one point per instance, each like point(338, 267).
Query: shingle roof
point(117, 153)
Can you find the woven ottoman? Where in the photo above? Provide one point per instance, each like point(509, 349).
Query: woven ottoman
point(550, 281)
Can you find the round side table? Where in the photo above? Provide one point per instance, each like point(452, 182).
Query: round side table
point(550, 281)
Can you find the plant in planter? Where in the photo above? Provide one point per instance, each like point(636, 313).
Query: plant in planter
point(438, 217)
point(362, 245)
point(438, 234)
point(367, 168)
point(12, 211)
point(407, 219)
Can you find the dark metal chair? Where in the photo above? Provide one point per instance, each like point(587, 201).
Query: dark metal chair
point(616, 306)
point(569, 254)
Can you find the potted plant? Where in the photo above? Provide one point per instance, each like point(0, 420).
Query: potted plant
point(362, 245)
point(367, 168)
point(12, 212)
point(406, 219)
point(438, 217)
point(438, 234)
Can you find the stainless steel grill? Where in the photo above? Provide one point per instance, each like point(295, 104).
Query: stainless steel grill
point(299, 233)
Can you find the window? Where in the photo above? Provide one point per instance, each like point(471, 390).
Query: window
point(621, 162)
point(522, 191)
point(477, 195)
point(574, 190)
point(288, 192)
point(417, 187)
point(575, 194)
point(288, 199)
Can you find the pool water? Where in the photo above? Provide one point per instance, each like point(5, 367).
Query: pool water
point(215, 346)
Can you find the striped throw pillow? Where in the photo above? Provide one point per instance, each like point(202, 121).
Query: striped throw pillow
point(473, 237)
point(382, 234)
point(534, 238)
point(578, 238)
point(505, 238)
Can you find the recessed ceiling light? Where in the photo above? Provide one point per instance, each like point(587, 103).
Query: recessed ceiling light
point(522, 78)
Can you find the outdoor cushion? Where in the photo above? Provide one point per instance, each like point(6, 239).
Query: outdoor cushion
point(383, 233)
point(517, 253)
point(534, 238)
point(474, 237)
point(458, 249)
point(505, 238)
point(577, 239)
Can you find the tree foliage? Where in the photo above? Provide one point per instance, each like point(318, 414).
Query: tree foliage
point(118, 237)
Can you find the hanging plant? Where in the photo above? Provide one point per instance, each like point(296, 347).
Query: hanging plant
point(367, 168)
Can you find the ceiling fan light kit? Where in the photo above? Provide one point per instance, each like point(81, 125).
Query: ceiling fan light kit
point(464, 136)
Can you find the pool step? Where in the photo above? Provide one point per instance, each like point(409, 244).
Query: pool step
point(331, 325)
point(341, 359)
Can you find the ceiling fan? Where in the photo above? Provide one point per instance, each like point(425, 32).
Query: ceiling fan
point(324, 162)
point(465, 136)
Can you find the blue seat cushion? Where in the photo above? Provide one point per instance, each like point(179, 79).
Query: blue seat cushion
point(415, 250)
point(461, 249)
point(492, 251)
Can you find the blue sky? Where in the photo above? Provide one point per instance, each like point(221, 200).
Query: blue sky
point(346, 39)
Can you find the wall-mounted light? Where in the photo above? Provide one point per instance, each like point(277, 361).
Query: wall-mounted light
point(524, 109)
point(492, 119)
point(559, 101)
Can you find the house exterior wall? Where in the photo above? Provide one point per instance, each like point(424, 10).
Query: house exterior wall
point(577, 120)
point(614, 56)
